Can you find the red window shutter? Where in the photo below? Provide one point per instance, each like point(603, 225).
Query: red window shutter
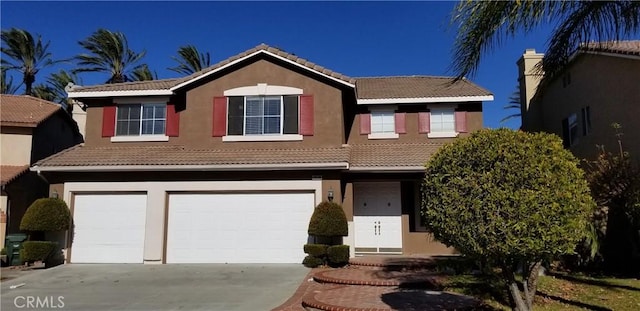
point(173, 121)
point(461, 121)
point(306, 115)
point(219, 116)
point(108, 121)
point(424, 122)
point(365, 123)
point(401, 127)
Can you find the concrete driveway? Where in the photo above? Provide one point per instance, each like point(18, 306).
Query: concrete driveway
point(225, 287)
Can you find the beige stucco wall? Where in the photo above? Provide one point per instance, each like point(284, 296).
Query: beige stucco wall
point(610, 87)
point(15, 148)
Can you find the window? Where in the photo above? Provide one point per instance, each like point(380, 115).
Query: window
point(442, 120)
point(570, 131)
point(383, 122)
point(586, 120)
point(262, 115)
point(141, 119)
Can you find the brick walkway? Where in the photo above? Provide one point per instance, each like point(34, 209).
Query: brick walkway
point(375, 284)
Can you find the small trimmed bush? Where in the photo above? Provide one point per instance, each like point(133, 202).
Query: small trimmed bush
point(316, 250)
point(338, 255)
point(37, 250)
point(328, 220)
point(48, 214)
point(312, 262)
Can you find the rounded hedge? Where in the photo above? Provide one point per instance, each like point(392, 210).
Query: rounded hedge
point(317, 250)
point(328, 220)
point(36, 250)
point(312, 262)
point(338, 255)
point(48, 214)
point(506, 194)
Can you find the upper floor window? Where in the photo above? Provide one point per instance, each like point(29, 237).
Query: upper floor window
point(570, 130)
point(262, 115)
point(141, 119)
point(443, 120)
point(383, 121)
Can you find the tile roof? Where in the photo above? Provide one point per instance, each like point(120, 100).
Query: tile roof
point(81, 155)
point(166, 84)
point(392, 155)
point(631, 47)
point(416, 86)
point(163, 84)
point(24, 110)
point(10, 172)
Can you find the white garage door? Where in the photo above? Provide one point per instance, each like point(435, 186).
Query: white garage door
point(109, 228)
point(238, 228)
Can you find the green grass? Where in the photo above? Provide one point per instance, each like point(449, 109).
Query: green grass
point(556, 292)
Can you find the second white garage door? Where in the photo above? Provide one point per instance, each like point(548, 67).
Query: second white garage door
point(238, 228)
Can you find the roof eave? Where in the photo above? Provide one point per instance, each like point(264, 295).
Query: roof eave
point(97, 94)
point(420, 100)
point(387, 169)
point(170, 168)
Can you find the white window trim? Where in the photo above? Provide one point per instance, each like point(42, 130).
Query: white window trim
point(442, 134)
point(132, 138)
point(383, 136)
point(263, 89)
point(274, 137)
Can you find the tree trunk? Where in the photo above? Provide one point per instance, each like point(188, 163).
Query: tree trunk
point(531, 282)
point(518, 304)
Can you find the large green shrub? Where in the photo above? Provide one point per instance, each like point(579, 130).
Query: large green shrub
point(509, 197)
point(316, 250)
point(37, 250)
point(328, 220)
point(48, 214)
point(338, 255)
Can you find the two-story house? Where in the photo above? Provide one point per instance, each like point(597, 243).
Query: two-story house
point(30, 130)
point(599, 86)
point(227, 164)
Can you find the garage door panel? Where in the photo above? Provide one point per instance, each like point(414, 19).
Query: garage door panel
point(243, 228)
point(109, 228)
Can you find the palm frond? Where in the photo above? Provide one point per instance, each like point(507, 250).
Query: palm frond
point(143, 73)
point(514, 103)
point(6, 84)
point(190, 60)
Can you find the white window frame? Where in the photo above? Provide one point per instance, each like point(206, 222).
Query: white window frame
point(383, 135)
point(442, 134)
point(262, 90)
point(586, 120)
point(263, 97)
point(142, 137)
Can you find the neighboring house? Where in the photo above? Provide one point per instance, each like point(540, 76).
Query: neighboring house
point(227, 164)
point(31, 129)
point(600, 86)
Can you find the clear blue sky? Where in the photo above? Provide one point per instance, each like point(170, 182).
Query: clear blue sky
point(353, 38)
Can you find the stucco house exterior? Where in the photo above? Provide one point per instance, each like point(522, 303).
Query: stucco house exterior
point(31, 129)
point(600, 86)
point(227, 164)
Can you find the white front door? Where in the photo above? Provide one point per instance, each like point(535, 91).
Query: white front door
point(108, 228)
point(377, 217)
point(238, 228)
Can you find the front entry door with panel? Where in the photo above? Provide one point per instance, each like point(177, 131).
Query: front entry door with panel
point(377, 217)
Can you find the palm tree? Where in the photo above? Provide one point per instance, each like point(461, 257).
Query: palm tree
point(143, 73)
point(6, 85)
point(44, 91)
point(109, 52)
point(190, 60)
point(514, 103)
point(482, 25)
point(26, 54)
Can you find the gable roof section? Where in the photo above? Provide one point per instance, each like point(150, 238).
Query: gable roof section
point(631, 47)
point(163, 158)
point(24, 110)
point(418, 89)
point(9, 173)
point(169, 86)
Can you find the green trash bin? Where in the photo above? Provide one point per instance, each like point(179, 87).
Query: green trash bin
point(13, 243)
